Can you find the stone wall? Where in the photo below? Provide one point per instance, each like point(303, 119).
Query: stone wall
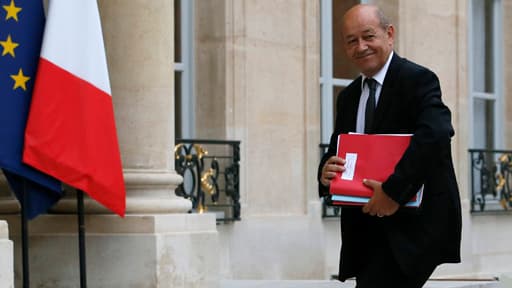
point(269, 54)
point(507, 59)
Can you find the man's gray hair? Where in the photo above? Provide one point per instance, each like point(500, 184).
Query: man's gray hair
point(383, 19)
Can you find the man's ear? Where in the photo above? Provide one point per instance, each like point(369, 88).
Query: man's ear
point(390, 32)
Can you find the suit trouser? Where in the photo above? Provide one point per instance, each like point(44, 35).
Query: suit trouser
point(382, 271)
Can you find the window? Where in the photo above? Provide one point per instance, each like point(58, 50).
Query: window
point(336, 71)
point(485, 74)
point(184, 105)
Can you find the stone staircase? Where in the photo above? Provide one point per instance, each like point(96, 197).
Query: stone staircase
point(348, 284)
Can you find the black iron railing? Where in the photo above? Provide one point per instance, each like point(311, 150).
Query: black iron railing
point(211, 179)
point(491, 180)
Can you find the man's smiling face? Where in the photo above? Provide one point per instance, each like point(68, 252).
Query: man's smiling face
point(367, 43)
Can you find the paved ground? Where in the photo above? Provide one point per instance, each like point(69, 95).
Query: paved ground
point(347, 284)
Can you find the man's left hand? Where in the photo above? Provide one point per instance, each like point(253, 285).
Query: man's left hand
point(380, 204)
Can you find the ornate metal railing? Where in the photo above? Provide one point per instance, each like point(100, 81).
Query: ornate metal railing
point(211, 179)
point(328, 210)
point(491, 180)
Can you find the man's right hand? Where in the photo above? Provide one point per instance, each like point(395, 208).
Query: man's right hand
point(331, 167)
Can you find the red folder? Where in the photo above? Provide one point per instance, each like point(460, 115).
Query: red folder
point(368, 157)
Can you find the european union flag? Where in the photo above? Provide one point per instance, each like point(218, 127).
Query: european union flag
point(21, 32)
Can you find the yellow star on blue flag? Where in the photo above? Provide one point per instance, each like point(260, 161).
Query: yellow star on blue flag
point(12, 11)
point(20, 80)
point(9, 46)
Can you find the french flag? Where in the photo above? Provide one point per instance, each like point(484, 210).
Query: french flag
point(71, 133)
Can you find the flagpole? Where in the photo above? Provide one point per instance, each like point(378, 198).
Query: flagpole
point(24, 237)
point(81, 238)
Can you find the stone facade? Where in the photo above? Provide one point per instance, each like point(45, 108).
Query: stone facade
point(257, 77)
point(269, 75)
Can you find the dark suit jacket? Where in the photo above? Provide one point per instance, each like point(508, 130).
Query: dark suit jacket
point(410, 102)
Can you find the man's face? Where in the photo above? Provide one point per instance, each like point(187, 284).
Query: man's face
point(366, 42)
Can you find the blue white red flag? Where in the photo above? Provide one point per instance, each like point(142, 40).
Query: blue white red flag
point(71, 132)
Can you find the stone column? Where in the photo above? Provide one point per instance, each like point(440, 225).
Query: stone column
point(8, 203)
point(157, 244)
point(139, 40)
point(6, 261)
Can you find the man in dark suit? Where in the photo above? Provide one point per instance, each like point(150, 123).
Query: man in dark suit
point(383, 243)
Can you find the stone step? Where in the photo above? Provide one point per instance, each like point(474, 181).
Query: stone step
point(347, 284)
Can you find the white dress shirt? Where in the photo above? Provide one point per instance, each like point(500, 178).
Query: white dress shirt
point(379, 77)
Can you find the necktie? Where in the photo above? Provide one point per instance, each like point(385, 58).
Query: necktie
point(369, 112)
